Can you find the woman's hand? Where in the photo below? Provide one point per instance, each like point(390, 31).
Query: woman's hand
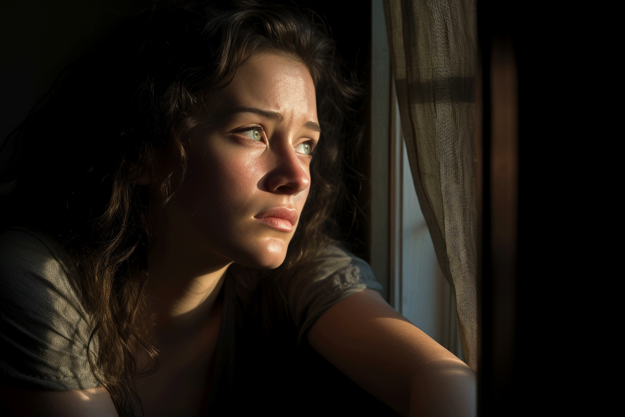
point(385, 354)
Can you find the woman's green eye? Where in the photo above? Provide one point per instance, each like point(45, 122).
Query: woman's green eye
point(255, 134)
point(305, 148)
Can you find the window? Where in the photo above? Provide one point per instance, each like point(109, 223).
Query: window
point(402, 253)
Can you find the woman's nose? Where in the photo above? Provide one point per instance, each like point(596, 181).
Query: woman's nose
point(289, 174)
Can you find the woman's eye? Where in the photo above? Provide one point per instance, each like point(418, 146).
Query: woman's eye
point(305, 147)
point(255, 133)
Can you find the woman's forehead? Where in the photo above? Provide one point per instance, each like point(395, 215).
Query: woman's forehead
point(271, 82)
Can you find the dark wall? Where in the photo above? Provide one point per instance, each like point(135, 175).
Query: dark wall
point(39, 37)
point(561, 356)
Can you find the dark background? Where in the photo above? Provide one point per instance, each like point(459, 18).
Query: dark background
point(562, 360)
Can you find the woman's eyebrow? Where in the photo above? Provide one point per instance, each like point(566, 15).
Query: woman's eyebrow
point(312, 126)
point(270, 115)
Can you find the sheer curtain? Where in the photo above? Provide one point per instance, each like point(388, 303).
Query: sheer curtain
point(433, 56)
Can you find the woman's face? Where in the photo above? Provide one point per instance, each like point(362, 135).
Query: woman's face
point(249, 170)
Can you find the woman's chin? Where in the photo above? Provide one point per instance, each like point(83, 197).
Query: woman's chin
point(270, 255)
point(269, 262)
point(266, 264)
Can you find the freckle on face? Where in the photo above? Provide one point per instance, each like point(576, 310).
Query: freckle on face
point(232, 178)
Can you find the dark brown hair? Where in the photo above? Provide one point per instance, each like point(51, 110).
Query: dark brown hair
point(127, 103)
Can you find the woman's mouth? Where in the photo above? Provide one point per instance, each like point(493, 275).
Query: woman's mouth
point(277, 223)
point(280, 218)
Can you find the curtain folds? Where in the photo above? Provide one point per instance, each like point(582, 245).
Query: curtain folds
point(433, 54)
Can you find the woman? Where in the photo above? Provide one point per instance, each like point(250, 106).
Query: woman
point(158, 190)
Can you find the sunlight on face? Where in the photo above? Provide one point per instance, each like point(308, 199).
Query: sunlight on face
point(249, 170)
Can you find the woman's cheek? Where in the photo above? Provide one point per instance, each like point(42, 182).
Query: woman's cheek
point(241, 175)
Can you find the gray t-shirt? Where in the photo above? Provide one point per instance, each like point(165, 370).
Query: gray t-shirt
point(44, 329)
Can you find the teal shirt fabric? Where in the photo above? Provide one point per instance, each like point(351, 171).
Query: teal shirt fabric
point(44, 329)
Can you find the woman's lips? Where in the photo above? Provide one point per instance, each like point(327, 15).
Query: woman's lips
point(280, 218)
point(277, 223)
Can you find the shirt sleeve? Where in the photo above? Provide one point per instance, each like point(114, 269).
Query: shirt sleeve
point(337, 274)
point(44, 330)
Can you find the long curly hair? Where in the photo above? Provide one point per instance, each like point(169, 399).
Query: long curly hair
point(127, 103)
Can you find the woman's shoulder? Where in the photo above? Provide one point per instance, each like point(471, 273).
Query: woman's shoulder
point(16, 240)
point(43, 328)
point(32, 258)
point(332, 275)
point(34, 272)
point(335, 261)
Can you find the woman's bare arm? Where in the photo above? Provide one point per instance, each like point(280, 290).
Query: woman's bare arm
point(93, 402)
point(384, 353)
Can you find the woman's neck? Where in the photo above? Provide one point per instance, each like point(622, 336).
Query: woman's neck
point(183, 284)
